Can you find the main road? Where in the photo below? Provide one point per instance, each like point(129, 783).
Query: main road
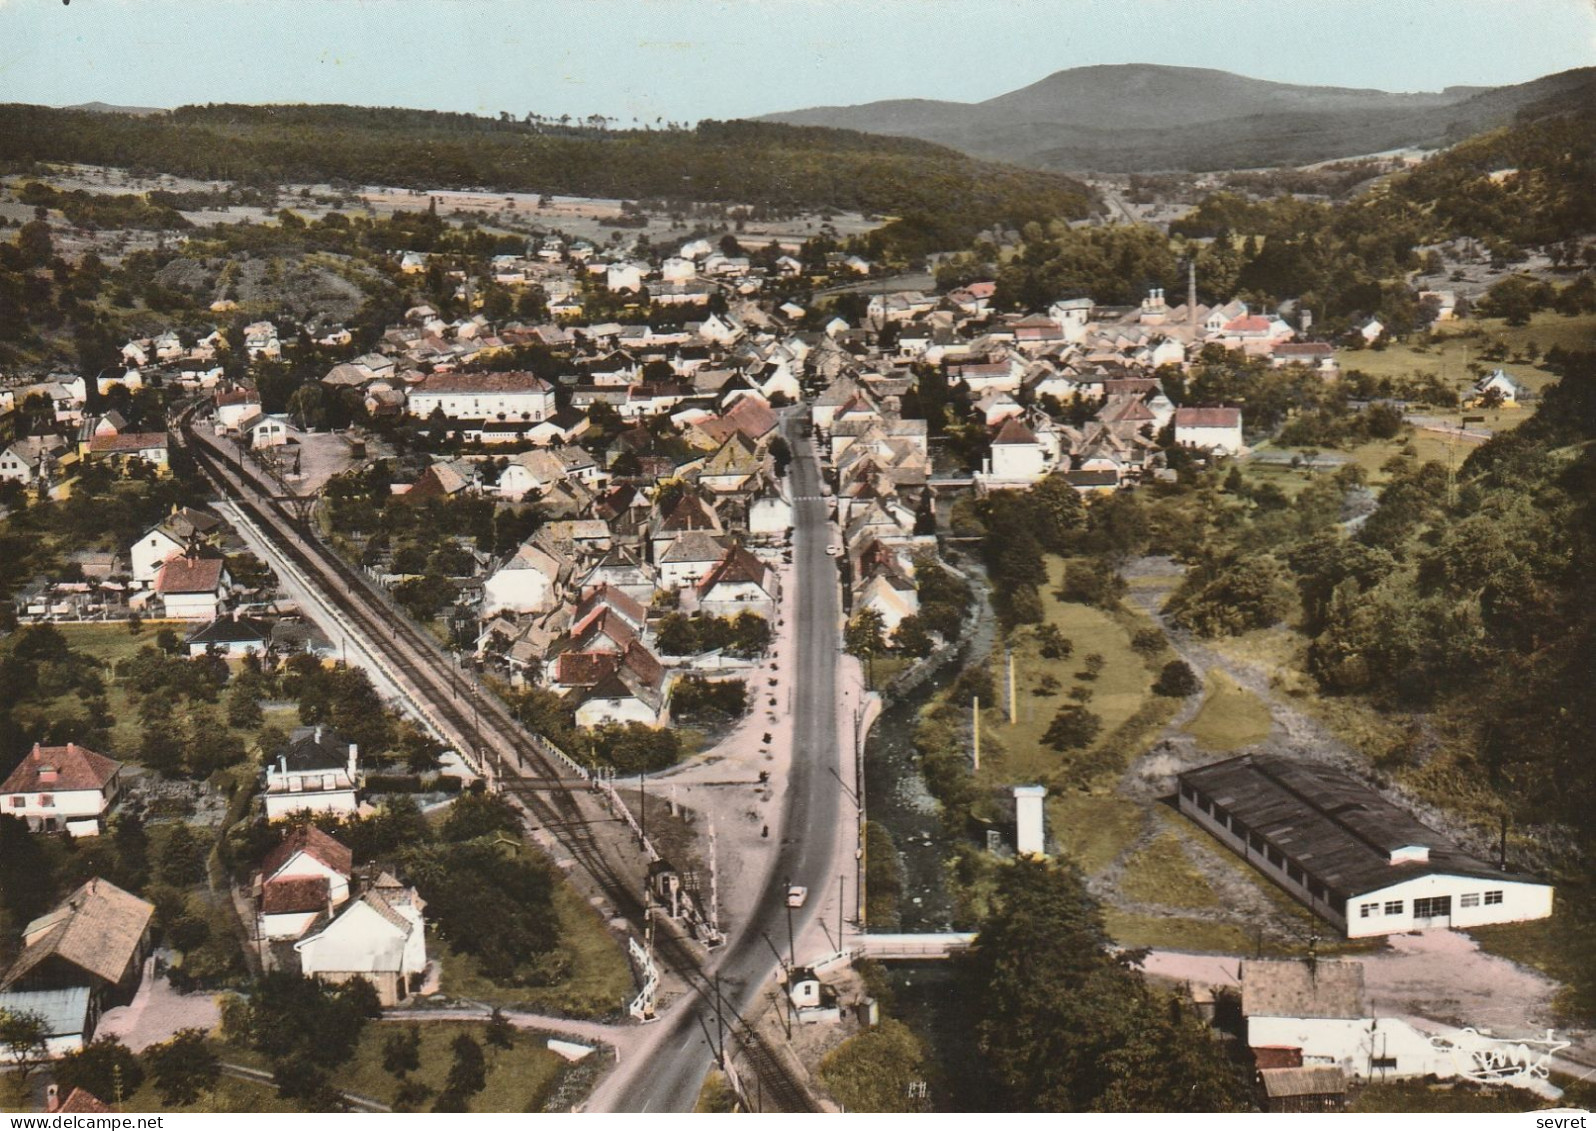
point(669, 1077)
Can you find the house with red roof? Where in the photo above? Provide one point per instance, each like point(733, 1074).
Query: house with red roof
point(629, 688)
point(122, 449)
point(56, 788)
point(306, 876)
point(193, 588)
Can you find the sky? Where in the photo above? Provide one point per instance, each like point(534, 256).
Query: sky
point(684, 60)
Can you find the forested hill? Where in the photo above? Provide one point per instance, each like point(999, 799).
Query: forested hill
point(1531, 183)
point(942, 197)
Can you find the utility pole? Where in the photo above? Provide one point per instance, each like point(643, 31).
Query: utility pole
point(975, 717)
point(792, 956)
point(720, 1026)
point(842, 882)
point(1013, 704)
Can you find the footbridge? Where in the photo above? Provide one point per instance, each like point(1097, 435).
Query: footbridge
point(910, 948)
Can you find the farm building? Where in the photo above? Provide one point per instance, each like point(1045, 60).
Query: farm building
point(1347, 853)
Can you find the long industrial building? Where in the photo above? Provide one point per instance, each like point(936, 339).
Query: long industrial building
point(1348, 854)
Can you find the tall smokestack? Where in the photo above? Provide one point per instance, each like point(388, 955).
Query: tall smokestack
point(1191, 292)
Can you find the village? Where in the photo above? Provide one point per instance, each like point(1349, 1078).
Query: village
point(448, 633)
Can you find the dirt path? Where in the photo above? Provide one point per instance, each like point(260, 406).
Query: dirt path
point(1442, 976)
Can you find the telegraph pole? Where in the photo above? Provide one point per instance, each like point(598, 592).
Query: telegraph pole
point(792, 956)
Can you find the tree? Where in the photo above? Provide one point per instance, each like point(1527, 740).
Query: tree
point(468, 1074)
point(24, 1036)
point(500, 1032)
point(1177, 680)
point(1052, 643)
point(183, 1068)
point(911, 638)
point(105, 1068)
point(1061, 1015)
point(243, 706)
point(781, 455)
point(865, 636)
point(401, 1051)
point(482, 814)
point(877, 1070)
point(1072, 728)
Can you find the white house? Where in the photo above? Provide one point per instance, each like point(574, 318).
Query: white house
point(58, 788)
point(379, 937)
point(529, 581)
point(192, 587)
point(1218, 429)
point(1073, 316)
point(482, 396)
point(174, 535)
point(770, 514)
point(1495, 386)
point(234, 406)
point(1018, 455)
point(739, 583)
point(30, 459)
point(1349, 855)
point(1317, 1008)
point(624, 276)
point(316, 772)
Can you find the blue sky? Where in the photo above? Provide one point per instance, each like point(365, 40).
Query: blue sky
point(691, 59)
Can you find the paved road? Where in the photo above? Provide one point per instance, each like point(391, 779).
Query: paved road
point(670, 1079)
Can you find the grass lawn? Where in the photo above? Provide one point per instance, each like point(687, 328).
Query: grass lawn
point(1167, 932)
point(1120, 690)
point(113, 643)
point(1449, 352)
point(519, 1078)
point(1231, 716)
point(230, 1094)
point(600, 975)
point(884, 669)
point(1093, 829)
point(1162, 873)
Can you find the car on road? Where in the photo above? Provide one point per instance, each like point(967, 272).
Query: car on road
point(796, 896)
point(833, 550)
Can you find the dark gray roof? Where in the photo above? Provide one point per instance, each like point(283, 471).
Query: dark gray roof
point(1338, 829)
point(315, 748)
point(230, 630)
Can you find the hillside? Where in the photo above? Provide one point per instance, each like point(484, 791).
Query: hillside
point(1136, 118)
point(941, 197)
point(1530, 184)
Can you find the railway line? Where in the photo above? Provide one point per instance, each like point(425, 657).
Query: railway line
point(478, 726)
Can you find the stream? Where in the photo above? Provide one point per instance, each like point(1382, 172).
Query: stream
point(896, 796)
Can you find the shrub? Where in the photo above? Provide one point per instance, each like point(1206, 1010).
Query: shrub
point(1177, 680)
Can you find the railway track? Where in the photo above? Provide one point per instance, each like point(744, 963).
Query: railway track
point(479, 728)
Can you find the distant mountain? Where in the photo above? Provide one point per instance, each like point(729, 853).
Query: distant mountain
point(107, 108)
point(1139, 118)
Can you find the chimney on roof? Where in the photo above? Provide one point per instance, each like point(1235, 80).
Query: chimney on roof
point(52, 1098)
point(354, 758)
